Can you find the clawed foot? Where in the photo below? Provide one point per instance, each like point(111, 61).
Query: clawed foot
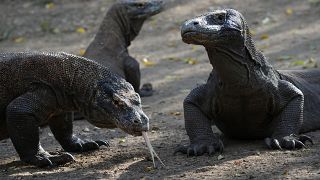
point(200, 148)
point(45, 159)
point(288, 142)
point(146, 90)
point(78, 145)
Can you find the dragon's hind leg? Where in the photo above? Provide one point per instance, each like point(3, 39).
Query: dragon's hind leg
point(23, 120)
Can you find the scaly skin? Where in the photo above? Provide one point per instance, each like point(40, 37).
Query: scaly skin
point(44, 88)
point(120, 26)
point(244, 96)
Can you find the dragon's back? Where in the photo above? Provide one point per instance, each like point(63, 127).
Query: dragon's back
point(308, 81)
point(63, 73)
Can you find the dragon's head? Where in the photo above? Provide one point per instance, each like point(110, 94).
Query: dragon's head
point(225, 35)
point(216, 28)
point(142, 9)
point(118, 105)
point(131, 14)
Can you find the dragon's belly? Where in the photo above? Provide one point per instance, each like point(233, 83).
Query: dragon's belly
point(245, 117)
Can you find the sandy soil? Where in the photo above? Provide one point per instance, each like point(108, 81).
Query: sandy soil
point(287, 31)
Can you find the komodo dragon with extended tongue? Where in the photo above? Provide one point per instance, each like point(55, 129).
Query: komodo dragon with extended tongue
point(245, 97)
point(43, 88)
point(120, 26)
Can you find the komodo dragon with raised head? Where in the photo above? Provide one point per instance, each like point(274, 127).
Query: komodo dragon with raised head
point(44, 88)
point(244, 96)
point(120, 26)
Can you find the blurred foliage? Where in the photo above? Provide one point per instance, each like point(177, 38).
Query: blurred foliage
point(314, 2)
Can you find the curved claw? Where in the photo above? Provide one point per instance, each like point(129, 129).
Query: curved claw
point(103, 143)
point(276, 143)
point(200, 148)
point(300, 144)
point(89, 146)
point(305, 138)
point(39, 161)
point(288, 142)
point(272, 143)
point(61, 159)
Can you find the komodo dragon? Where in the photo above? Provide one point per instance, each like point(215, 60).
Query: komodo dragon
point(244, 96)
point(120, 26)
point(44, 88)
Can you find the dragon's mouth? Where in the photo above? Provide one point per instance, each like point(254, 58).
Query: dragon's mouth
point(132, 132)
point(188, 33)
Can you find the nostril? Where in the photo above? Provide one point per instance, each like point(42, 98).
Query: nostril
point(136, 121)
point(195, 23)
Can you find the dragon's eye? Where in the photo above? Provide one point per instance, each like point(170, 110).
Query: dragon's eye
point(220, 17)
point(215, 19)
point(118, 103)
point(140, 5)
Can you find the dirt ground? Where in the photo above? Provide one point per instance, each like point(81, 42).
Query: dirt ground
point(287, 31)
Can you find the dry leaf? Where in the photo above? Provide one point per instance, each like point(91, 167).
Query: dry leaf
point(176, 113)
point(289, 11)
point(264, 36)
point(191, 61)
point(147, 63)
point(170, 77)
point(285, 57)
point(297, 63)
point(19, 40)
point(122, 140)
point(81, 30)
point(50, 5)
point(81, 52)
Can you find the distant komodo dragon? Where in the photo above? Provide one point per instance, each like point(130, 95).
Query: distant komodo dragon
point(44, 88)
point(120, 26)
point(244, 96)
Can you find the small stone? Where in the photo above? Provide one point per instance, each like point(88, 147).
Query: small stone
point(86, 130)
point(96, 128)
point(220, 157)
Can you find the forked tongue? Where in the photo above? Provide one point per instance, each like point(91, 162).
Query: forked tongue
point(152, 152)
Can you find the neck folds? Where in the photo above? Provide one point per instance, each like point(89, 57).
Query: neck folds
point(230, 65)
